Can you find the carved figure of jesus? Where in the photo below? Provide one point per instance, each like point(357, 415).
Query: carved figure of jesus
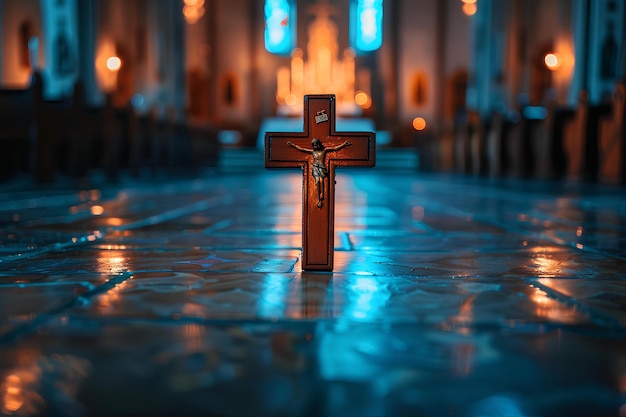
point(318, 168)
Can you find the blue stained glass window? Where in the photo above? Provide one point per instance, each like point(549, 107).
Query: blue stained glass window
point(367, 19)
point(279, 26)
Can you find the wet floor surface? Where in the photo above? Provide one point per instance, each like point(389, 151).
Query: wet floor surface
point(451, 296)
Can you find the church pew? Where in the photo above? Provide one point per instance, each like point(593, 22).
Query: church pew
point(428, 150)
point(574, 138)
point(47, 138)
point(205, 146)
point(559, 118)
point(39, 136)
point(526, 143)
point(491, 146)
point(581, 143)
point(478, 129)
point(612, 139)
point(184, 147)
point(81, 121)
point(502, 144)
point(494, 144)
point(58, 128)
point(17, 127)
point(465, 124)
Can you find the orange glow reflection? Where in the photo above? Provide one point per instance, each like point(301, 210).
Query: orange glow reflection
point(114, 221)
point(417, 212)
point(106, 302)
point(193, 310)
point(112, 262)
point(466, 314)
point(11, 392)
point(564, 286)
point(20, 388)
point(551, 309)
point(193, 335)
point(97, 210)
point(463, 358)
point(547, 265)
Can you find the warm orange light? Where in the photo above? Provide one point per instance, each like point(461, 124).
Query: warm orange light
point(193, 14)
point(419, 123)
point(97, 210)
point(12, 396)
point(114, 221)
point(470, 9)
point(553, 61)
point(361, 98)
point(283, 86)
point(114, 63)
point(291, 100)
point(112, 262)
point(469, 1)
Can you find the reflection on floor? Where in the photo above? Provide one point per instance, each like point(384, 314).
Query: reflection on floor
point(451, 296)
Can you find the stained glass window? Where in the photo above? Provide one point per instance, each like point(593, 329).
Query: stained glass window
point(367, 21)
point(279, 26)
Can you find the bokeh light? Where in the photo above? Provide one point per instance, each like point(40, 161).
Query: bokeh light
point(470, 9)
point(114, 63)
point(419, 123)
point(553, 61)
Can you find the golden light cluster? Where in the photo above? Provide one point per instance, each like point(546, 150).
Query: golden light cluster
point(193, 10)
point(470, 7)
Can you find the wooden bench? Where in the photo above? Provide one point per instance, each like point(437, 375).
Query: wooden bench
point(581, 143)
point(17, 130)
point(48, 138)
point(612, 139)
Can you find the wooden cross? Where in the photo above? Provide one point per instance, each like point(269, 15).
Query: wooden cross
point(318, 150)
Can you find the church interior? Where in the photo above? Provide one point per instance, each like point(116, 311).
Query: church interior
point(154, 261)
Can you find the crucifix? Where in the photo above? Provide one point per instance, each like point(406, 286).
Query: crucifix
point(317, 151)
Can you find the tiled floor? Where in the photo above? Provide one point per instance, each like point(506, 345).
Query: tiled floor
point(451, 296)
